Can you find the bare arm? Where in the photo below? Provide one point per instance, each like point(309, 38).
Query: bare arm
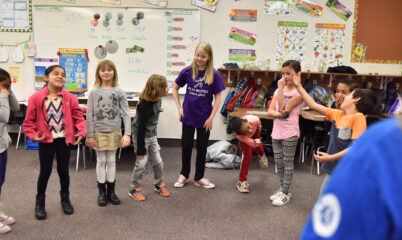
point(281, 98)
point(175, 92)
point(217, 103)
point(324, 157)
point(271, 110)
point(306, 97)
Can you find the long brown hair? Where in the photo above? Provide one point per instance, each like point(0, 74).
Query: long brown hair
point(102, 64)
point(154, 88)
point(209, 71)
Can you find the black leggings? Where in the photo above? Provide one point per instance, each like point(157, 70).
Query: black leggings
point(46, 155)
point(187, 142)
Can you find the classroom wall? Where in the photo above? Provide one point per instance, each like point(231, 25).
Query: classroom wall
point(215, 29)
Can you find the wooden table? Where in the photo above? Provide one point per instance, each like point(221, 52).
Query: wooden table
point(259, 112)
point(313, 115)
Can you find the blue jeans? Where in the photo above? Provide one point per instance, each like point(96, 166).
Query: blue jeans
point(3, 165)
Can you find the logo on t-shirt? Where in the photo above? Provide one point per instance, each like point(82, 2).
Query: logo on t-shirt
point(199, 83)
point(326, 215)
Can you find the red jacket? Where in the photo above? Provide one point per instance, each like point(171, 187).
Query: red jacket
point(36, 117)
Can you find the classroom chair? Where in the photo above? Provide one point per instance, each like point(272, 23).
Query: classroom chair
point(79, 146)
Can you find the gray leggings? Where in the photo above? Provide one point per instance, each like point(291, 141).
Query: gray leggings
point(284, 152)
point(154, 157)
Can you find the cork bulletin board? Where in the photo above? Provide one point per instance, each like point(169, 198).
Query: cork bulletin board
point(377, 32)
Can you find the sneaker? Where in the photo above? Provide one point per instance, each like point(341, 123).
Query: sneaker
point(4, 228)
point(281, 200)
point(276, 194)
point(205, 183)
point(181, 181)
point(243, 186)
point(161, 190)
point(263, 161)
point(5, 219)
point(137, 194)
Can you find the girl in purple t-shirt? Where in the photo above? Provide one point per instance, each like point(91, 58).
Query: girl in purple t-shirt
point(285, 108)
point(203, 84)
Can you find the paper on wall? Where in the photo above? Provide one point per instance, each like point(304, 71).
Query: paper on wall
point(242, 55)
point(242, 36)
point(291, 41)
point(160, 3)
point(339, 9)
point(309, 7)
point(15, 15)
point(15, 74)
point(3, 54)
point(114, 2)
point(277, 7)
point(17, 54)
point(40, 66)
point(209, 5)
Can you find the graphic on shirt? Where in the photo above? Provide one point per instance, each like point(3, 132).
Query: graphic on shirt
point(197, 88)
point(326, 215)
point(55, 116)
point(107, 107)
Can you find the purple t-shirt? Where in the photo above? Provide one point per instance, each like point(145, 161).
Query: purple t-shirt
point(197, 105)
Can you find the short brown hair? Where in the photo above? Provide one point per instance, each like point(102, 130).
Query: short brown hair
point(367, 100)
point(154, 88)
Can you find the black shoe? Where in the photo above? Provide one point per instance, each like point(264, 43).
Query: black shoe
point(40, 212)
point(111, 195)
point(65, 203)
point(102, 200)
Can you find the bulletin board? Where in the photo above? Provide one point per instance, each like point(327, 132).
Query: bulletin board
point(15, 15)
point(140, 41)
point(377, 26)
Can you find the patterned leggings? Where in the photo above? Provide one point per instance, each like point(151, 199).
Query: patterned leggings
point(284, 152)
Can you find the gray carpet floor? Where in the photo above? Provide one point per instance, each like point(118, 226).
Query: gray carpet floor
point(189, 213)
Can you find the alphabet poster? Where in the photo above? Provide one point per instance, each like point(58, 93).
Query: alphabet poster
point(329, 42)
point(291, 41)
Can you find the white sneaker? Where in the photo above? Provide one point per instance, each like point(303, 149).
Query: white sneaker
point(180, 182)
point(276, 194)
point(205, 183)
point(5, 219)
point(4, 228)
point(281, 200)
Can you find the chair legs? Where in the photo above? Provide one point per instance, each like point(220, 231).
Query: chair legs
point(19, 136)
point(78, 156)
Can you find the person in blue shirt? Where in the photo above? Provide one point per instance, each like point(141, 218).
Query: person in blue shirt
point(363, 199)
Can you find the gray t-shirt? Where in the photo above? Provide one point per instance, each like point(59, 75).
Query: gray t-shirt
point(106, 108)
point(7, 103)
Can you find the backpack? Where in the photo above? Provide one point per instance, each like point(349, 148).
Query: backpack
point(260, 101)
point(391, 95)
point(380, 96)
point(229, 97)
point(397, 106)
point(341, 69)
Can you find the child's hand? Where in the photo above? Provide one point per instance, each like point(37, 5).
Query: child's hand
point(79, 138)
point(208, 124)
point(257, 141)
point(285, 110)
point(125, 141)
point(5, 91)
point(38, 138)
point(296, 78)
point(161, 109)
point(141, 157)
point(181, 114)
point(281, 83)
point(323, 157)
point(90, 142)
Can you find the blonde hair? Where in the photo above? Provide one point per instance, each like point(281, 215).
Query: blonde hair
point(102, 64)
point(154, 88)
point(209, 71)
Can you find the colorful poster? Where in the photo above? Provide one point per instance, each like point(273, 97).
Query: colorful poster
point(15, 74)
point(40, 66)
point(114, 2)
point(291, 41)
point(160, 3)
point(209, 5)
point(339, 9)
point(245, 15)
point(243, 55)
point(242, 36)
point(75, 62)
point(309, 7)
point(359, 53)
point(329, 43)
point(15, 16)
point(277, 7)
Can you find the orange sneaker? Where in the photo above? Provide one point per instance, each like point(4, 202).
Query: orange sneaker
point(161, 190)
point(137, 194)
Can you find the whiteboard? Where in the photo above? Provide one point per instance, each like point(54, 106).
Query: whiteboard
point(168, 38)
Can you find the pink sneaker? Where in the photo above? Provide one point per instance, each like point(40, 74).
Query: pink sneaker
point(205, 183)
point(180, 182)
point(4, 228)
point(5, 219)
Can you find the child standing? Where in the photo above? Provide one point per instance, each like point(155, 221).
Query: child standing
point(203, 83)
point(55, 120)
point(348, 122)
point(247, 129)
point(107, 105)
point(8, 102)
point(285, 108)
point(145, 136)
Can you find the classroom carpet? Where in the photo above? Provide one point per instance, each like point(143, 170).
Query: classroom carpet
point(190, 212)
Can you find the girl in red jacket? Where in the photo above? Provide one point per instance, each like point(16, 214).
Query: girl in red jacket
point(55, 120)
